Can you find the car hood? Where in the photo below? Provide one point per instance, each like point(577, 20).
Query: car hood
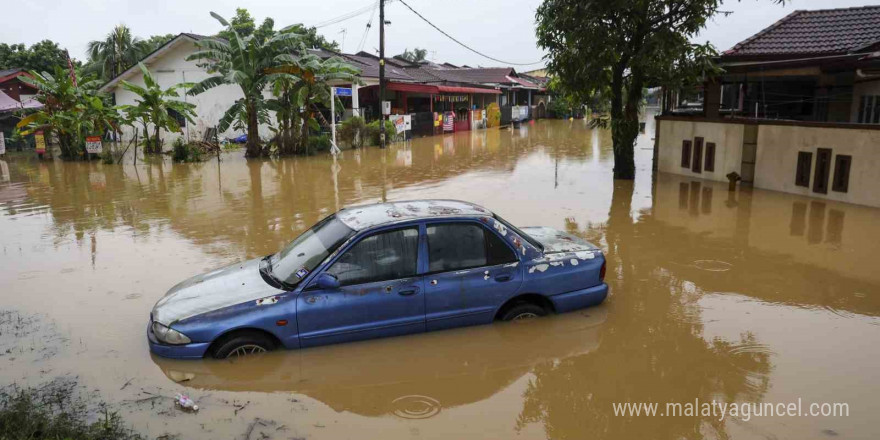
point(555, 240)
point(224, 287)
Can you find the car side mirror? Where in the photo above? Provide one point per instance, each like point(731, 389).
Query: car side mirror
point(327, 281)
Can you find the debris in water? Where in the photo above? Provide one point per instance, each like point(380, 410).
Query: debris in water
point(185, 403)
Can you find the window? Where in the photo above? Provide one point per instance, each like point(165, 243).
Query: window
point(698, 155)
point(456, 246)
point(383, 256)
point(823, 166)
point(178, 117)
point(710, 156)
point(686, 154)
point(497, 250)
point(841, 173)
point(802, 173)
point(309, 249)
point(869, 109)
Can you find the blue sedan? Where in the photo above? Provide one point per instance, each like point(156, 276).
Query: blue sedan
point(380, 270)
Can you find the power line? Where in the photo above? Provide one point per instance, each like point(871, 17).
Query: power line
point(465, 45)
point(369, 24)
point(347, 16)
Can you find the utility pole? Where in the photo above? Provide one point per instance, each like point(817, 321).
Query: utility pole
point(382, 72)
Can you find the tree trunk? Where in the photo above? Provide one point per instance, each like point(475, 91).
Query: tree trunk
point(157, 149)
point(252, 148)
point(624, 127)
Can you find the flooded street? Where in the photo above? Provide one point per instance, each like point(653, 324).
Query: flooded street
point(753, 296)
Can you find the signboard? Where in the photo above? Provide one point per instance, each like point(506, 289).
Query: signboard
point(386, 107)
point(407, 120)
point(399, 123)
point(342, 91)
point(93, 145)
point(2, 144)
point(40, 142)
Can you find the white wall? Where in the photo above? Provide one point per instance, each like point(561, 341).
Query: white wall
point(172, 68)
point(778, 147)
point(728, 139)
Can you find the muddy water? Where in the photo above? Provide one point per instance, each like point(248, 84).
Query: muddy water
point(748, 297)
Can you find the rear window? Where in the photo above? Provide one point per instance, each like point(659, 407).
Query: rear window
point(522, 234)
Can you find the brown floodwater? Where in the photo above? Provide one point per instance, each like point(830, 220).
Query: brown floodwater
point(753, 296)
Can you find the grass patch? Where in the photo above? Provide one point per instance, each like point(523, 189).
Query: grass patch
point(56, 410)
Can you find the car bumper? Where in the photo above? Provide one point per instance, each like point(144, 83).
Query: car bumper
point(579, 299)
point(195, 350)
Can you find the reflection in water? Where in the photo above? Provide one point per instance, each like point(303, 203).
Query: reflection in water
point(714, 295)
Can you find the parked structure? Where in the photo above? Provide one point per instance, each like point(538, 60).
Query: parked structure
point(431, 93)
point(797, 110)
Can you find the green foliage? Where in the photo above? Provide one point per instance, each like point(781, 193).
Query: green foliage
point(157, 41)
point(53, 412)
point(351, 132)
point(118, 51)
point(312, 39)
point(299, 80)
point(155, 106)
point(415, 55)
point(71, 112)
point(243, 23)
point(42, 56)
point(182, 151)
point(613, 50)
point(320, 142)
point(373, 132)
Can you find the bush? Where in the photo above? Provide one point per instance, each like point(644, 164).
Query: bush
point(373, 132)
point(319, 142)
point(184, 152)
point(351, 132)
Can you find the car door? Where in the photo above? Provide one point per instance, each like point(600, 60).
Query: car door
point(471, 272)
point(380, 293)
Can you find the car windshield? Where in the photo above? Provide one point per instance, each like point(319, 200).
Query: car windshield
point(305, 253)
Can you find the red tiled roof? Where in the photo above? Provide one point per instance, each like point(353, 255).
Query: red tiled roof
point(819, 32)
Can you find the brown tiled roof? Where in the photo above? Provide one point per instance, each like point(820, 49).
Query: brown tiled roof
point(819, 32)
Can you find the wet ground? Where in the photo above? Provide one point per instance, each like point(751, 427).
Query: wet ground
point(754, 296)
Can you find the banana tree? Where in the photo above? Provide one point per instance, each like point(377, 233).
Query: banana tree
point(70, 111)
point(251, 64)
point(155, 105)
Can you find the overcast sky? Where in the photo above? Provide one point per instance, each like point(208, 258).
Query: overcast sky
point(503, 29)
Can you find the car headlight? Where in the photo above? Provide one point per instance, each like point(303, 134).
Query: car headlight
point(169, 335)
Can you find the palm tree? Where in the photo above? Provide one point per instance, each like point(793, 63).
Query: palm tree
point(118, 51)
point(295, 101)
point(250, 63)
point(155, 106)
point(315, 87)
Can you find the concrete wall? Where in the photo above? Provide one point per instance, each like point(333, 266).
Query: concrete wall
point(778, 147)
point(172, 68)
point(728, 139)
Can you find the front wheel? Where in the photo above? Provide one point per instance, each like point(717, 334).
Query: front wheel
point(523, 311)
point(243, 344)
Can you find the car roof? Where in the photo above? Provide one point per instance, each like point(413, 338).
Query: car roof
point(367, 216)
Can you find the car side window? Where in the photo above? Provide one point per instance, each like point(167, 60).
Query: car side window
point(387, 255)
point(498, 251)
point(454, 246)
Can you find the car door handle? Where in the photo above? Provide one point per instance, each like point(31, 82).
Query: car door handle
point(503, 277)
point(408, 292)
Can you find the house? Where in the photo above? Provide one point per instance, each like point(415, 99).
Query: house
point(421, 89)
point(12, 86)
point(796, 110)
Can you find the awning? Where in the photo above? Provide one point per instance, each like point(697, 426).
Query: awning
point(453, 89)
point(412, 88)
